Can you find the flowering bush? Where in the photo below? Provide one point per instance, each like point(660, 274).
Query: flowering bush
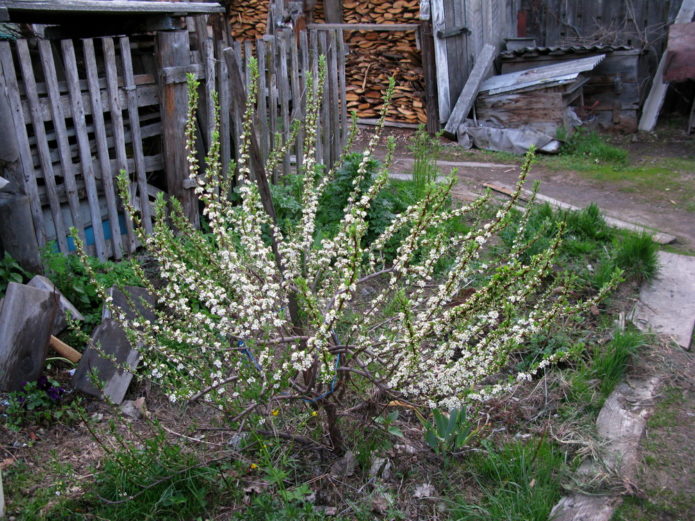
point(251, 317)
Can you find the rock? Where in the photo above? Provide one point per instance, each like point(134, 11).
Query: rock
point(110, 339)
point(345, 466)
point(134, 409)
point(65, 307)
point(135, 301)
point(424, 491)
point(380, 467)
point(26, 320)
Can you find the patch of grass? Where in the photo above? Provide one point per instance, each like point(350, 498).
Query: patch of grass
point(664, 414)
point(660, 504)
point(591, 146)
point(518, 480)
point(610, 360)
point(637, 256)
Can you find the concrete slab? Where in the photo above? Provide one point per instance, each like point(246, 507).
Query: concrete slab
point(65, 307)
point(109, 339)
point(26, 320)
point(667, 304)
point(135, 301)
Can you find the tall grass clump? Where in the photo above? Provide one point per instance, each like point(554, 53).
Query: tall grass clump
point(611, 360)
point(590, 145)
point(637, 256)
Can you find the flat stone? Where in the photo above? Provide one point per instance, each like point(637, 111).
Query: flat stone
point(667, 304)
point(65, 307)
point(110, 339)
point(136, 302)
point(579, 507)
point(26, 320)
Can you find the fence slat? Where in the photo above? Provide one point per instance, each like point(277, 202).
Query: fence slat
point(314, 60)
point(296, 102)
point(262, 104)
point(134, 120)
point(306, 71)
point(333, 96)
point(284, 95)
point(210, 82)
point(272, 97)
point(42, 143)
point(79, 122)
point(342, 89)
point(25, 157)
point(223, 89)
point(117, 121)
point(102, 145)
point(49, 71)
point(237, 110)
point(325, 137)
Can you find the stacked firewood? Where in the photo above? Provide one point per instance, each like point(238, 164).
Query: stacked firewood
point(377, 55)
point(248, 18)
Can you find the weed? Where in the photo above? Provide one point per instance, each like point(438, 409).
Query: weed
point(591, 146)
point(449, 432)
point(10, 271)
point(519, 481)
point(41, 402)
point(425, 150)
point(637, 256)
point(611, 360)
point(665, 414)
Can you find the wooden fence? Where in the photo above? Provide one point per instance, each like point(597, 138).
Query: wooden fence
point(83, 110)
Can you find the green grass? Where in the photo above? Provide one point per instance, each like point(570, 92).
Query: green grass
point(518, 481)
point(664, 415)
point(610, 361)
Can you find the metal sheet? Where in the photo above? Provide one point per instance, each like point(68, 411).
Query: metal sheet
point(540, 76)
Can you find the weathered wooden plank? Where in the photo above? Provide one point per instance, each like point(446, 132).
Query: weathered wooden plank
point(223, 90)
point(78, 118)
point(284, 95)
point(273, 113)
point(9, 85)
point(325, 114)
point(173, 49)
point(441, 58)
point(49, 71)
point(112, 7)
point(334, 108)
point(314, 59)
point(305, 72)
point(362, 27)
point(134, 123)
point(208, 56)
point(102, 145)
point(262, 102)
point(296, 101)
point(655, 99)
point(465, 102)
point(342, 90)
point(117, 124)
point(42, 143)
point(429, 68)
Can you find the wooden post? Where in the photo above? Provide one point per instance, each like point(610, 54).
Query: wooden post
point(334, 11)
point(173, 53)
point(430, 72)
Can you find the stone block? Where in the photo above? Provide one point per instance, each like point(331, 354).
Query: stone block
point(131, 299)
point(65, 307)
point(26, 321)
point(110, 339)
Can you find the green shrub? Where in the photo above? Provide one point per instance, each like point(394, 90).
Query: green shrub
point(10, 271)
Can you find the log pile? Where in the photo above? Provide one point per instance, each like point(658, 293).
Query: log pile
point(377, 55)
point(374, 55)
point(248, 18)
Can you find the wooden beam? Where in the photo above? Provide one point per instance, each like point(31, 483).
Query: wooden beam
point(173, 51)
point(334, 11)
point(464, 104)
point(429, 67)
point(112, 6)
point(655, 99)
point(364, 27)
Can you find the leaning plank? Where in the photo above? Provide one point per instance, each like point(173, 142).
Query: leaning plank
point(342, 90)
point(655, 99)
point(8, 82)
point(296, 101)
point(42, 142)
point(273, 115)
point(464, 104)
point(134, 120)
point(324, 122)
point(49, 71)
point(80, 125)
point(102, 145)
point(314, 58)
point(223, 89)
point(657, 236)
point(262, 103)
point(117, 121)
point(303, 85)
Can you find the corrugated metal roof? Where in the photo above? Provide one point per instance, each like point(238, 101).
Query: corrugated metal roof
point(563, 50)
point(556, 74)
